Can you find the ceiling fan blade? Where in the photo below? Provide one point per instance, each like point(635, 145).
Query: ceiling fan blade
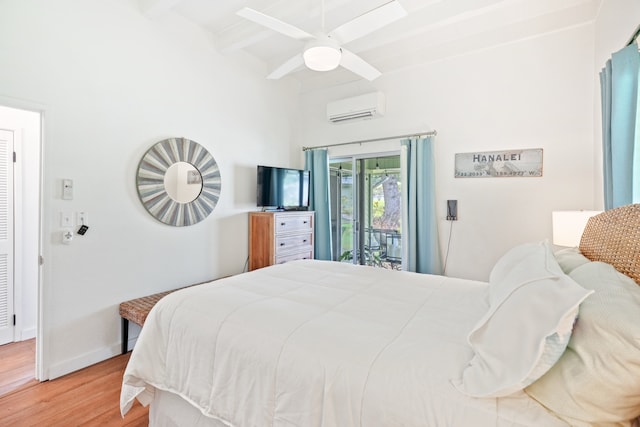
point(369, 22)
point(290, 65)
point(273, 23)
point(354, 63)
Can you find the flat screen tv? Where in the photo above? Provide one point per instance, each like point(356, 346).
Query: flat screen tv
point(282, 188)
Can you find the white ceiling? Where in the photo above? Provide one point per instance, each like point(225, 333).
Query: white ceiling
point(432, 30)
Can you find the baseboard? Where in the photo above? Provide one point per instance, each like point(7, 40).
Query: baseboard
point(93, 357)
point(27, 334)
point(82, 361)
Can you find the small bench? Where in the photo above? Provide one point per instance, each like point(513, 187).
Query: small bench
point(137, 310)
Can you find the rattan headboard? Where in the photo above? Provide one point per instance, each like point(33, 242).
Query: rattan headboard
point(614, 237)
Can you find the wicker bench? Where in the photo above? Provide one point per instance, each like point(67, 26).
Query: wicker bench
point(137, 310)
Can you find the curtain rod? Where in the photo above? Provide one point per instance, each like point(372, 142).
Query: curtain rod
point(634, 36)
point(364, 141)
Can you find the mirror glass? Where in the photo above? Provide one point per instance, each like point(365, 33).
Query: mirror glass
point(178, 182)
point(183, 182)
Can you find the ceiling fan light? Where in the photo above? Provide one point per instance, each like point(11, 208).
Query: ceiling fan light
point(322, 58)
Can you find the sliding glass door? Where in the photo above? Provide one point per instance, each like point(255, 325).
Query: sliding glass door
point(341, 191)
point(366, 210)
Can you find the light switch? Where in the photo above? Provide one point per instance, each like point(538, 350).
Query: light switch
point(82, 218)
point(67, 189)
point(66, 219)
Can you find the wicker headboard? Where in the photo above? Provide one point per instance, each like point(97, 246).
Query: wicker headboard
point(614, 237)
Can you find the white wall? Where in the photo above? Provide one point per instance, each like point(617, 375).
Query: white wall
point(615, 24)
point(536, 93)
point(112, 83)
point(26, 125)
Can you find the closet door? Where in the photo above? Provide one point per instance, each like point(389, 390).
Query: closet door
point(6, 237)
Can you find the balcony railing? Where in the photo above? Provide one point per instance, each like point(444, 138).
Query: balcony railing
point(384, 245)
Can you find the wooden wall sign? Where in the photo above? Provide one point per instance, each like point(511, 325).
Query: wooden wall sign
point(499, 164)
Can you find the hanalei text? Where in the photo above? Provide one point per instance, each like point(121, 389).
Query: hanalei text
point(483, 158)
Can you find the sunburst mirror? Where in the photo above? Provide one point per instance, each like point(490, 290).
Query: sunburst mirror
point(178, 182)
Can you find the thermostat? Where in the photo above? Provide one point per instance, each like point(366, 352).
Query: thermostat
point(67, 189)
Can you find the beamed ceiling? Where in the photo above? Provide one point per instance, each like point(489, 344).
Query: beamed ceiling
point(431, 30)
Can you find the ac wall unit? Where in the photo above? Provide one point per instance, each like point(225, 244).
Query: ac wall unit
point(360, 107)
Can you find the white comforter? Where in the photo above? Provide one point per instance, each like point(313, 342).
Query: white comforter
point(314, 343)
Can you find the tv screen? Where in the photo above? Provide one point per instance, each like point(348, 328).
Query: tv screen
point(282, 188)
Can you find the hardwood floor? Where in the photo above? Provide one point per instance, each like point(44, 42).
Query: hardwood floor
point(17, 365)
point(89, 397)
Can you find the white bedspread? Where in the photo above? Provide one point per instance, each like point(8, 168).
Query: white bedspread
point(314, 343)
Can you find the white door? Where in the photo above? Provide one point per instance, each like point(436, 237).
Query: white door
point(6, 237)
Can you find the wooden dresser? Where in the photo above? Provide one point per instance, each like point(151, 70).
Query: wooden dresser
point(278, 237)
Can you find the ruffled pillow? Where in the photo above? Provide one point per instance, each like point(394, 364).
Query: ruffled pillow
point(533, 305)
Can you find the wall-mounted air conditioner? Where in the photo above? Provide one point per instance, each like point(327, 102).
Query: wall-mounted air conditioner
point(360, 107)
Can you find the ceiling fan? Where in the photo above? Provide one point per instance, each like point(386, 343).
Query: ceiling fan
point(324, 51)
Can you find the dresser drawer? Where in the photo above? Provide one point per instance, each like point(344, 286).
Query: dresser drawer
point(287, 243)
point(293, 222)
point(278, 237)
point(292, 257)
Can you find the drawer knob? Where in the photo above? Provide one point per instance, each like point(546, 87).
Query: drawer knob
point(282, 224)
point(304, 222)
point(281, 244)
point(304, 241)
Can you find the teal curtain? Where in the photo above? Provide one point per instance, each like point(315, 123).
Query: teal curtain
point(317, 161)
point(620, 136)
point(421, 245)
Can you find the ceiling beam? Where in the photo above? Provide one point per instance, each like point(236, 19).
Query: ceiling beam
point(244, 33)
point(498, 27)
point(423, 18)
point(464, 37)
point(157, 7)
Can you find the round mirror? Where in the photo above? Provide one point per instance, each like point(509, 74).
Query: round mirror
point(183, 182)
point(178, 182)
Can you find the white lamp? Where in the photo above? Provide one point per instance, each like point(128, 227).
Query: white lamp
point(568, 226)
point(322, 54)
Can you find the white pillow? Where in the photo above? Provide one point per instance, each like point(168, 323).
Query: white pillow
point(569, 259)
point(597, 380)
point(533, 306)
point(512, 258)
point(526, 262)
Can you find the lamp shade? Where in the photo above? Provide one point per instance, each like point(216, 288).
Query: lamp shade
point(322, 54)
point(568, 226)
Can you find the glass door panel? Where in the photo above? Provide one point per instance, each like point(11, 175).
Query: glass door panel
point(366, 210)
point(384, 207)
point(342, 208)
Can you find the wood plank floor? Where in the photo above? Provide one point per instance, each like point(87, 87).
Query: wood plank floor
point(89, 397)
point(17, 365)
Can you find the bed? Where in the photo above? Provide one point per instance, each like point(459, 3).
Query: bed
point(551, 339)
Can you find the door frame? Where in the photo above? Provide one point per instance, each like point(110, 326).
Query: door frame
point(357, 168)
point(41, 338)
